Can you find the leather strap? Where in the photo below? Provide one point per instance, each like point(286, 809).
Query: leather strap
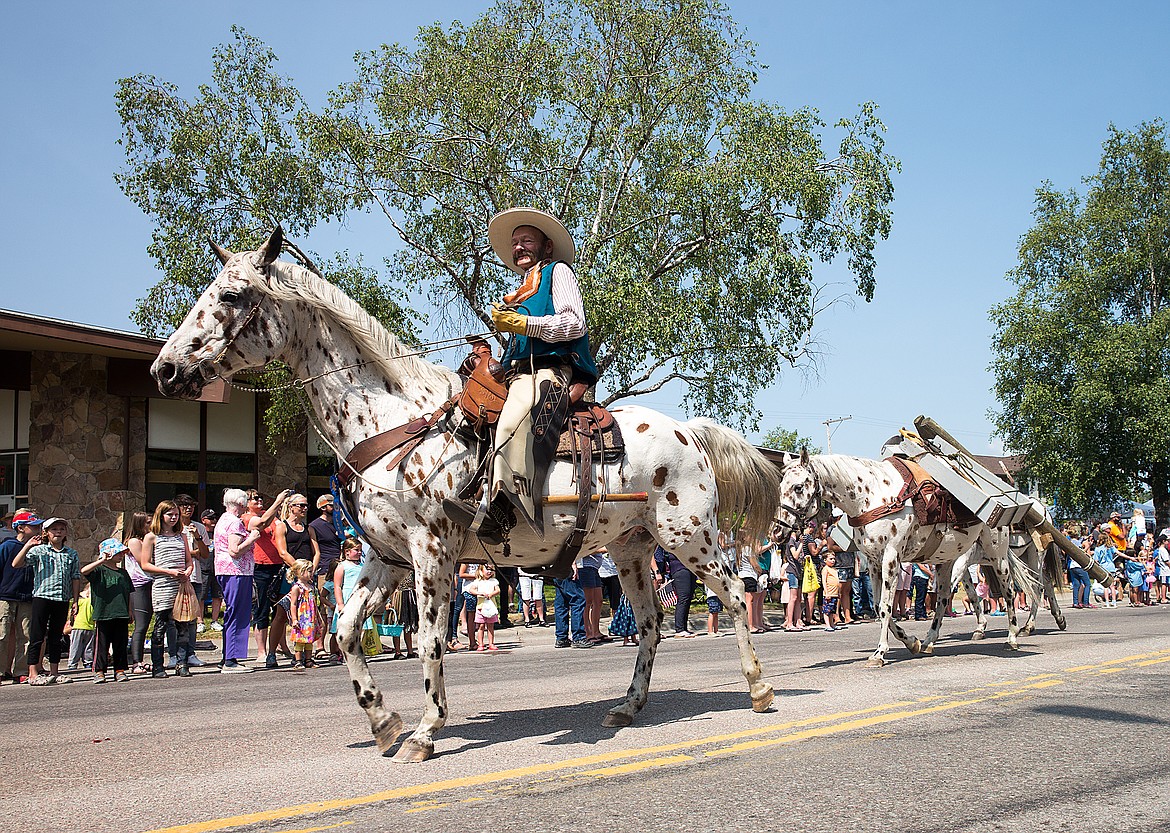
point(907, 492)
point(406, 437)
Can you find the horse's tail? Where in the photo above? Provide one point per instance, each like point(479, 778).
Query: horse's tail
point(748, 484)
point(1053, 566)
point(1023, 577)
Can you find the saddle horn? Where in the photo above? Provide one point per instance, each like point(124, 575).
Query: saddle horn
point(223, 254)
point(271, 249)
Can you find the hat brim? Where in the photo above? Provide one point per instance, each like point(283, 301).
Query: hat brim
point(503, 224)
point(29, 522)
point(52, 521)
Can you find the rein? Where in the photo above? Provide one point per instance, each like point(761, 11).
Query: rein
point(299, 384)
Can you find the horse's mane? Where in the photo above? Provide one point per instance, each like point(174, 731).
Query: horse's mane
point(286, 281)
point(841, 468)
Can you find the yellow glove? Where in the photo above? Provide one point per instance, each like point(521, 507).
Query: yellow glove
point(508, 321)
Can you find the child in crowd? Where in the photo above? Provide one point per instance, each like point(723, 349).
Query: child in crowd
point(56, 586)
point(110, 587)
point(831, 588)
point(714, 608)
point(1105, 555)
point(81, 635)
point(485, 588)
point(345, 580)
point(303, 612)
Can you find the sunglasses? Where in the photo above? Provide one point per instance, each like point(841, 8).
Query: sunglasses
point(299, 505)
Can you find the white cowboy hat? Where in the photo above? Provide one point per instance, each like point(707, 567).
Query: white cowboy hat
point(503, 224)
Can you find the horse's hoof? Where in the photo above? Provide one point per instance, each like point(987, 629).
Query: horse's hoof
point(1062, 624)
point(928, 650)
point(1013, 646)
point(915, 647)
point(874, 662)
point(978, 635)
point(617, 719)
point(414, 751)
point(387, 731)
point(762, 701)
point(1028, 630)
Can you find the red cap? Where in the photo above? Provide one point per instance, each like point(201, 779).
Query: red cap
point(26, 519)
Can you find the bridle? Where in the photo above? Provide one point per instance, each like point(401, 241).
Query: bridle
point(799, 516)
point(211, 362)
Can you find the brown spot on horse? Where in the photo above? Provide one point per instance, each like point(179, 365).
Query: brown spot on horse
point(660, 477)
point(643, 428)
point(681, 438)
point(672, 498)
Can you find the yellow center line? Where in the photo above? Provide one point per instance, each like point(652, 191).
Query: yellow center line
point(1151, 662)
point(874, 720)
point(619, 762)
point(635, 766)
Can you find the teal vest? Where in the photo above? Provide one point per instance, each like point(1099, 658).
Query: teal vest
point(576, 352)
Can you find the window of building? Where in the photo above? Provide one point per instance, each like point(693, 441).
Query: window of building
point(14, 423)
point(200, 448)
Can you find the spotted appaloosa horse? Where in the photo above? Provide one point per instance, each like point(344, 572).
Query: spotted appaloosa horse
point(360, 382)
point(856, 485)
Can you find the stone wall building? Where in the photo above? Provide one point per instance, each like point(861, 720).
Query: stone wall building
point(86, 436)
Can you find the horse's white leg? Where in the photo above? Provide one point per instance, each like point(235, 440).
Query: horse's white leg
point(977, 604)
point(944, 591)
point(890, 567)
point(1053, 604)
point(1003, 573)
point(375, 581)
point(729, 588)
point(632, 560)
point(433, 588)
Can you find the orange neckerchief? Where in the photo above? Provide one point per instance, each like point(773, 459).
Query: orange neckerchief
point(526, 289)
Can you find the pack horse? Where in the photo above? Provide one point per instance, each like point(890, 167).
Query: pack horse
point(360, 381)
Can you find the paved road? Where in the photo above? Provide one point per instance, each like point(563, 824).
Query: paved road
point(1070, 733)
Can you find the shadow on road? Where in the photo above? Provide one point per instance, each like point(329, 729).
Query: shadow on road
point(581, 723)
point(1092, 713)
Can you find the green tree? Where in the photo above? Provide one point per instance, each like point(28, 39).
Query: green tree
point(782, 439)
point(699, 212)
point(1083, 347)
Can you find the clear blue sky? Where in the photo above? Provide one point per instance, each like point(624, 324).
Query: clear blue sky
point(983, 102)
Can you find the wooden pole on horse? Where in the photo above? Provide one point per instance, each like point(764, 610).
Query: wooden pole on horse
point(617, 497)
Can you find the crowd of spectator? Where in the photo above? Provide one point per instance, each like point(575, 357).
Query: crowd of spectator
point(267, 573)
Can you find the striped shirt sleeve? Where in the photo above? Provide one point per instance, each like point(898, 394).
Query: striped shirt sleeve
point(568, 319)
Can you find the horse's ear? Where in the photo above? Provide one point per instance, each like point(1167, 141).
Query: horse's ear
point(223, 254)
point(271, 250)
point(804, 455)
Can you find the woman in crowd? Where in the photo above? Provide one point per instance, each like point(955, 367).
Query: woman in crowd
point(140, 596)
point(56, 587)
point(589, 577)
point(233, 571)
point(1078, 577)
point(794, 573)
point(748, 569)
point(165, 555)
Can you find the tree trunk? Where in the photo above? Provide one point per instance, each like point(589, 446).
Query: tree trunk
point(1160, 489)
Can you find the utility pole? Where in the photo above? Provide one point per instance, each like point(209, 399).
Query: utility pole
point(829, 434)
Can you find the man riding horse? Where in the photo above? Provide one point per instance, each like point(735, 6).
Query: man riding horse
point(547, 353)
